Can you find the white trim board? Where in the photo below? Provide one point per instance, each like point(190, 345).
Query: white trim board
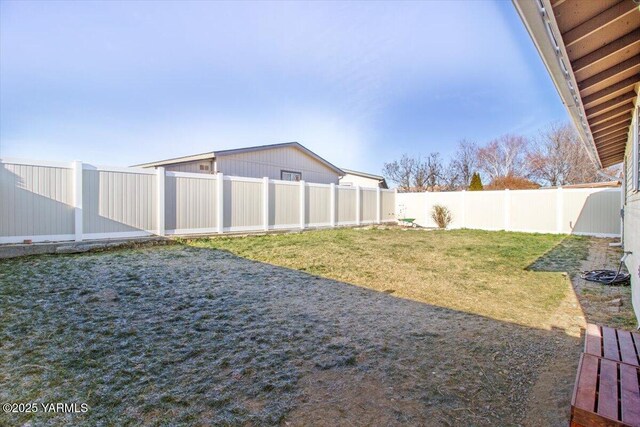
point(118, 169)
point(191, 175)
point(117, 235)
point(44, 163)
point(187, 231)
point(38, 239)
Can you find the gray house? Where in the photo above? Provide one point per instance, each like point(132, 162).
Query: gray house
point(362, 179)
point(289, 161)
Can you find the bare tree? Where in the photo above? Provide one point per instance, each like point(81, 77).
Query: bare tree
point(451, 179)
point(421, 176)
point(401, 172)
point(463, 165)
point(504, 156)
point(434, 170)
point(414, 173)
point(558, 157)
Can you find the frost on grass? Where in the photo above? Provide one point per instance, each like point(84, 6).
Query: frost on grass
point(182, 335)
point(146, 334)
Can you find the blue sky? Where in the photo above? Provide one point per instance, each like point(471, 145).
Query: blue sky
point(360, 83)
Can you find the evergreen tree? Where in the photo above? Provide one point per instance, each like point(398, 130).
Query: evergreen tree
point(476, 183)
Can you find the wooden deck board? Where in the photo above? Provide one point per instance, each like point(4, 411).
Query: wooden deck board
point(627, 348)
point(629, 395)
point(608, 389)
point(610, 343)
point(585, 396)
point(593, 340)
point(613, 344)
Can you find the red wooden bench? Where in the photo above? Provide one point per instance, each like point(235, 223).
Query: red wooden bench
point(612, 344)
point(607, 389)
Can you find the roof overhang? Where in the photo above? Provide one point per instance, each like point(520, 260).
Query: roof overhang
point(380, 179)
point(592, 52)
point(363, 174)
point(184, 159)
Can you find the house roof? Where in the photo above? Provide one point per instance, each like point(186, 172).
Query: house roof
point(606, 184)
point(363, 174)
point(183, 159)
point(214, 154)
point(592, 52)
point(367, 175)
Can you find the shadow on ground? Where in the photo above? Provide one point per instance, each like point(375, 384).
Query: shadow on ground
point(185, 335)
point(602, 304)
point(567, 256)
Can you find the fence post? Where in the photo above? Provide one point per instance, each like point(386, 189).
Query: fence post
point(332, 204)
point(302, 204)
point(559, 209)
point(220, 194)
point(463, 216)
point(77, 199)
point(265, 202)
point(507, 210)
point(357, 205)
point(427, 214)
point(378, 205)
point(395, 203)
point(160, 201)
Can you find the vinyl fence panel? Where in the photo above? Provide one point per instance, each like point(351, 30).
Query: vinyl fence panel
point(346, 205)
point(318, 205)
point(590, 211)
point(484, 210)
point(117, 203)
point(284, 204)
point(388, 205)
point(368, 205)
point(191, 204)
point(36, 202)
point(243, 204)
point(55, 201)
point(524, 217)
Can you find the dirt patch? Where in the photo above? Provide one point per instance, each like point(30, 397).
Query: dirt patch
point(605, 304)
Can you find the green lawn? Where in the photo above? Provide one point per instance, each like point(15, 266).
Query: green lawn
point(479, 272)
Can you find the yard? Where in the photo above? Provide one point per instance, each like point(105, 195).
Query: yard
point(341, 327)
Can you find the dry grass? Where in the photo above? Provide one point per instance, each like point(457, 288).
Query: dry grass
point(185, 335)
point(477, 272)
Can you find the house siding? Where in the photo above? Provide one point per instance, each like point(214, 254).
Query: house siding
point(192, 167)
point(362, 181)
point(271, 162)
point(632, 222)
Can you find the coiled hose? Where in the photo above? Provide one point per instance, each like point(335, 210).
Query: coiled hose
point(608, 277)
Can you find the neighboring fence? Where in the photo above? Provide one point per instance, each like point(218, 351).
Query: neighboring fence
point(587, 211)
point(53, 201)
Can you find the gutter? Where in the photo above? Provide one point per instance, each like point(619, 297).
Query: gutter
point(537, 16)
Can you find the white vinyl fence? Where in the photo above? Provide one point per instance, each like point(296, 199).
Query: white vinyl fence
point(586, 211)
point(55, 201)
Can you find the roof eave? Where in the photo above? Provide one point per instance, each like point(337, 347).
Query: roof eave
point(184, 159)
point(363, 174)
point(535, 15)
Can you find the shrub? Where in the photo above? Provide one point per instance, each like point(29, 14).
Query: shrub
point(441, 215)
point(512, 183)
point(476, 183)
